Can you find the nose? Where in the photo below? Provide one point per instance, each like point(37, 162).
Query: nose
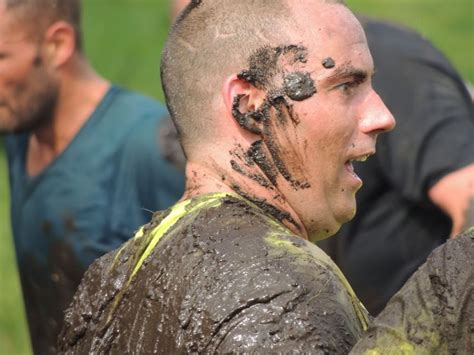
point(376, 117)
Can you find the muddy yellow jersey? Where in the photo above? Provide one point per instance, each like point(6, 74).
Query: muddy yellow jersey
point(214, 274)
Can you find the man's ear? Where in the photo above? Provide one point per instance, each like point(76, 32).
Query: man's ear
point(243, 102)
point(60, 43)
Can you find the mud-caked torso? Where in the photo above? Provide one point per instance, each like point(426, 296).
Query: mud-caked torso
point(433, 313)
point(213, 274)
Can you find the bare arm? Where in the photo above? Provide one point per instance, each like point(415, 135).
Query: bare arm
point(454, 194)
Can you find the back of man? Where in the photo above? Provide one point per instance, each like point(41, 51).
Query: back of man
point(82, 156)
point(399, 220)
point(235, 285)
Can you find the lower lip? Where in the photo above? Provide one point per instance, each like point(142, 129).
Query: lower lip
point(350, 169)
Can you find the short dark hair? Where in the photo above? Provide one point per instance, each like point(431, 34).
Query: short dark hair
point(39, 14)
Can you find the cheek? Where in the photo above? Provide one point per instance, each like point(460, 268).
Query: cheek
point(14, 78)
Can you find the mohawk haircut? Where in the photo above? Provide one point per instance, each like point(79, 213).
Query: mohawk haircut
point(39, 14)
point(211, 40)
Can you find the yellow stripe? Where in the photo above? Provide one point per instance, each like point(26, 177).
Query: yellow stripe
point(178, 211)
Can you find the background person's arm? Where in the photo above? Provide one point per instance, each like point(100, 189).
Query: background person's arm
point(454, 194)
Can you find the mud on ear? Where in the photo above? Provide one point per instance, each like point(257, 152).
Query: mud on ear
point(244, 102)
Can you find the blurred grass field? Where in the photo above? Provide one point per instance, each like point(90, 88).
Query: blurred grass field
point(123, 39)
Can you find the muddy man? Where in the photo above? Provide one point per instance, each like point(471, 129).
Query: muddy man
point(273, 102)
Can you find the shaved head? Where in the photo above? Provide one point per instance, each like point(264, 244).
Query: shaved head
point(211, 40)
point(37, 15)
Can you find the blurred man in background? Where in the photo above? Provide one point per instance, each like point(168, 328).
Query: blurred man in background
point(83, 157)
point(419, 189)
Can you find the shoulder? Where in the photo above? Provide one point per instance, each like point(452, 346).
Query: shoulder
point(125, 116)
point(269, 289)
point(130, 102)
point(432, 311)
point(87, 305)
point(450, 267)
point(144, 117)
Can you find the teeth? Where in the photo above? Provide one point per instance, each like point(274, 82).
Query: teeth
point(362, 158)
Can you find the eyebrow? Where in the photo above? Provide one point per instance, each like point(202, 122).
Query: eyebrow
point(346, 71)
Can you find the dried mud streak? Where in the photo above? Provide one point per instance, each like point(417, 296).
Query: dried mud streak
point(265, 64)
point(206, 286)
point(262, 181)
point(283, 110)
point(245, 119)
point(257, 153)
point(267, 207)
point(267, 72)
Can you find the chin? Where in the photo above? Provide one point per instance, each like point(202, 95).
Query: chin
point(351, 214)
point(347, 211)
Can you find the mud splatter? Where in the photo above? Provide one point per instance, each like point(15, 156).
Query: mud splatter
point(261, 180)
point(248, 120)
point(266, 65)
point(48, 290)
point(257, 153)
point(328, 63)
point(224, 279)
point(267, 207)
point(268, 71)
point(299, 86)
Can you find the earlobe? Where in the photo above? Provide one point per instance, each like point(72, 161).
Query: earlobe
point(243, 101)
point(60, 43)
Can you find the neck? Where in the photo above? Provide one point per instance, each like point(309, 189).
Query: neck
point(80, 91)
point(249, 182)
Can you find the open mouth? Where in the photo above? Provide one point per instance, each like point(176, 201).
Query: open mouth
point(350, 167)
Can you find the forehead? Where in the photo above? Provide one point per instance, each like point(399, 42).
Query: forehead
point(332, 31)
point(11, 28)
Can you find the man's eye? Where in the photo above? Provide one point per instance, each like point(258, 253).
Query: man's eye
point(3, 55)
point(346, 87)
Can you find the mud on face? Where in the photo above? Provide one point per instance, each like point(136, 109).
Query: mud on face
point(279, 71)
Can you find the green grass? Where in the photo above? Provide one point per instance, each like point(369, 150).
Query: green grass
point(448, 24)
point(123, 39)
point(13, 334)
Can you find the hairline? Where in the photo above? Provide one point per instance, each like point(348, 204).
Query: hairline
point(23, 13)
